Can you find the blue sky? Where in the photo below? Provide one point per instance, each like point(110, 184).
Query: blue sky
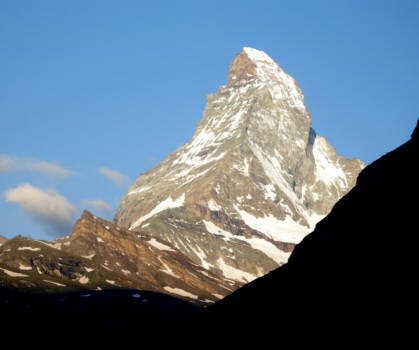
point(92, 93)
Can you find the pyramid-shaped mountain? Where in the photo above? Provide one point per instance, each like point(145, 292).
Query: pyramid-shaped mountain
point(251, 183)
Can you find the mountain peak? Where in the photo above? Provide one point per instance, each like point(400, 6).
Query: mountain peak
point(250, 184)
point(248, 64)
point(255, 68)
point(241, 68)
point(257, 56)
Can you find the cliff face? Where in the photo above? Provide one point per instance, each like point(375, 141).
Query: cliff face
point(250, 184)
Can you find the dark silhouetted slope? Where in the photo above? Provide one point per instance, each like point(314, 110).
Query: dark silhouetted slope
point(356, 271)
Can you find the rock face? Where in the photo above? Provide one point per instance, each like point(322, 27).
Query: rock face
point(98, 256)
point(2, 239)
point(251, 183)
point(333, 282)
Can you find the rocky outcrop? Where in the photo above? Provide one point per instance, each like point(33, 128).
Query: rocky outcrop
point(251, 183)
point(99, 255)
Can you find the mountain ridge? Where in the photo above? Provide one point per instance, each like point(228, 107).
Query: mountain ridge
point(100, 256)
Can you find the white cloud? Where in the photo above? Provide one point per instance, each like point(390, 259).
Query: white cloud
point(100, 205)
point(9, 163)
point(46, 207)
point(114, 176)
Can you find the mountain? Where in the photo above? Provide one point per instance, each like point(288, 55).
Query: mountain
point(101, 256)
point(254, 179)
point(2, 240)
point(354, 273)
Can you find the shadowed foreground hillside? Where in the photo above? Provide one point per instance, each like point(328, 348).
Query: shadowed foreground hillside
point(356, 271)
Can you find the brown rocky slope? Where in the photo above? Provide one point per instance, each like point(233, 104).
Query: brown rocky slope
point(99, 256)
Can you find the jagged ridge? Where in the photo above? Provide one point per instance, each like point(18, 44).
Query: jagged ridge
point(98, 256)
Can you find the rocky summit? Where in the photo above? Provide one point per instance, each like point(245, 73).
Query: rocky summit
point(251, 183)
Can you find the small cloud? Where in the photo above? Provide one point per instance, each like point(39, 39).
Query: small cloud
point(47, 207)
point(104, 209)
point(114, 176)
point(9, 163)
point(49, 169)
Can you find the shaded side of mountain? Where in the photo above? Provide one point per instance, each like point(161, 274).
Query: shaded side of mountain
point(356, 269)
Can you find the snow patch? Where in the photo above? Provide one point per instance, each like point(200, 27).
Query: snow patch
point(12, 273)
point(138, 190)
point(279, 230)
point(270, 192)
point(181, 292)
point(214, 229)
point(202, 256)
point(88, 256)
point(213, 205)
point(168, 203)
point(272, 251)
point(166, 269)
point(84, 280)
point(55, 283)
point(234, 273)
point(29, 248)
point(264, 246)
point(24, 267)
point(159, 245)
point(105, 267)
point(51, 245)
point(326, 170)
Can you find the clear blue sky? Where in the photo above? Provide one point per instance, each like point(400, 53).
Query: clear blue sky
point(88, 85)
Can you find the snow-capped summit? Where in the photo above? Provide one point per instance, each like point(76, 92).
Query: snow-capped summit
point(255, 67)
point(250, 184)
